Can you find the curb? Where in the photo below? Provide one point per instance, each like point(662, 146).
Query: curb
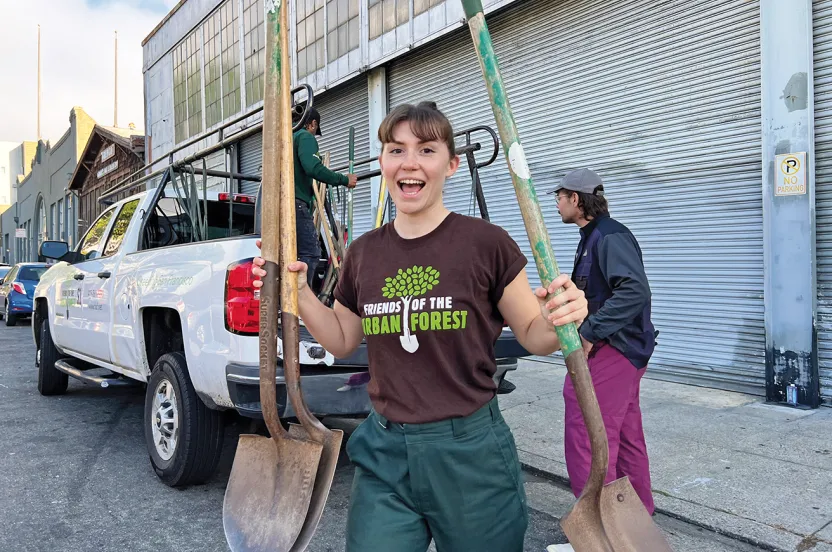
point(563, 481)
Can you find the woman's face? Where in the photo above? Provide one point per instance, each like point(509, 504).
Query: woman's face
point(415, 171)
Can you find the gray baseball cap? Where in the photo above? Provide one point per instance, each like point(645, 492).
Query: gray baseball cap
point(585, 181)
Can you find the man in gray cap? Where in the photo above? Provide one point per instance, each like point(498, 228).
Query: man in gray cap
point(618, 335)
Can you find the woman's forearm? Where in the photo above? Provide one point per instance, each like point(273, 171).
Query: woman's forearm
point(540, 338)
point(324, 325)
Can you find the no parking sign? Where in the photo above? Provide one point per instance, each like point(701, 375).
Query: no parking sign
point(790, 177)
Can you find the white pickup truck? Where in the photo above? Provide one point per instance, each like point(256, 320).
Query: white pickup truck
point(159, 292)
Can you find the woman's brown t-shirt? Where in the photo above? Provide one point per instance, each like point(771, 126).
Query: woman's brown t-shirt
point(429, 311)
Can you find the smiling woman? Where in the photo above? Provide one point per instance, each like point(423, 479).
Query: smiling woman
point(429, 293)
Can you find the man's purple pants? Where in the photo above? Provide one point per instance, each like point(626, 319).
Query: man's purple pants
point(617, 384)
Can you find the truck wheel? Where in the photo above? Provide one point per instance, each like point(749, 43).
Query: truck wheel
point(51, 381)
point(11, 319)
point(184, 437)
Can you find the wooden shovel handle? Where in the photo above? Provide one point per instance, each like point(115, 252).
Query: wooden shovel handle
point(288, 235)
point(270, 237)
point(576, 365)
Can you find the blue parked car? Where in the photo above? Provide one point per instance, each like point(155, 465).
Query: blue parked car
point(17, 287)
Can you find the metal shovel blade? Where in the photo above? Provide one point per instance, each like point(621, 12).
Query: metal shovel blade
point(323, 483)
point(269, 492)
point(613, 521)
point(628, 525)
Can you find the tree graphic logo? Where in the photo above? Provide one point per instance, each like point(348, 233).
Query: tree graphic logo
point(406, 285)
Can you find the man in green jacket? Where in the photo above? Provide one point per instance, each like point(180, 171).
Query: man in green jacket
point(308, 167)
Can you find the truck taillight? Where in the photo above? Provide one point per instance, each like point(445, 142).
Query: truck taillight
point(242, 300)
point(237, 198)
point(18, 287)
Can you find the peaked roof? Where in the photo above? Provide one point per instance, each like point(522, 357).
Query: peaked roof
point(101, 134)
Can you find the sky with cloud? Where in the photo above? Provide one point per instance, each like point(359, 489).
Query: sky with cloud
point(77, 51)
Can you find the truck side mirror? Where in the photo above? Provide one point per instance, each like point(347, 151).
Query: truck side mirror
point(53, 249)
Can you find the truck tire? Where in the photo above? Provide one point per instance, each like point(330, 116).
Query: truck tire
point(184, 437)
point(51, 381)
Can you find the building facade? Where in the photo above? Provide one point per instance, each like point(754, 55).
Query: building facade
point(668, 101)
point(15, 164)
point(111, 155)
point(44, 207)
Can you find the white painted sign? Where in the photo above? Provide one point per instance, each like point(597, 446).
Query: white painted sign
point(790, 174)
point(108, 152)
point(108, 169)
point(19, 232)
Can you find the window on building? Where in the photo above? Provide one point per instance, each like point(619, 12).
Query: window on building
point(194, 87)
point(421, 6)
point(68, 220)
point(386, 15)
point(60, 236)
point(213, 70)
point(180, 93)
point(230, 58)
point(342, 27)
point(255, 48)
point(53, 223)
point(43, 229)
point(310, 19)
point(187, 93)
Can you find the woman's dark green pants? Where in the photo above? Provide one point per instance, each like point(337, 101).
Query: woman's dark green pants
point(456, 481)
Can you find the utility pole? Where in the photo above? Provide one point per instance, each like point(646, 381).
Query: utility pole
point(115, 83)
point(39, 84)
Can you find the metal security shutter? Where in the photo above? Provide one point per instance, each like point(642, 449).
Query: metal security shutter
point(823, 189)
point(250, 162)
point(340, 109)
point(215, 161)
point(663, 100)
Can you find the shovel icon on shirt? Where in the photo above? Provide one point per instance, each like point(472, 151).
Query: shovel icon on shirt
point(409, 342)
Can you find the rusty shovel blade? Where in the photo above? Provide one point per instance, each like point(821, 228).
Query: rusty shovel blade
point(323, 483)
point(615, 520)
point(269, 492)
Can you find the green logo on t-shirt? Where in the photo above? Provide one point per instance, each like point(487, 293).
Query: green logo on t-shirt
point(407, 285)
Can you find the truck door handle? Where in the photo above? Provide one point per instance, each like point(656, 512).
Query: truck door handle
point(79, 276)
point(103, 274)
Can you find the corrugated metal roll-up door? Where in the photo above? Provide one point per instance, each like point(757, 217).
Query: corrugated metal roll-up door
point(340, 109)
point(823, 188)
point(663, 100)
point(216, 162)
point(250, 161)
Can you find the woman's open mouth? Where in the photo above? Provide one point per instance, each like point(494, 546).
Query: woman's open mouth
point(411, 187)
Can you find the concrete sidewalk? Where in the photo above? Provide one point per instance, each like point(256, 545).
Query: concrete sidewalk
point(725, 461)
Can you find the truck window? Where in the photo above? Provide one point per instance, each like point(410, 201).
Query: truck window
point(178, 218)
point(120, 227)
point(90, 245)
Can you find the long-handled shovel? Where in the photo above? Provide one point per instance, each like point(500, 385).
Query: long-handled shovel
point(607, 518)
point(310, 426)
point(267, 500)
point(328, 440)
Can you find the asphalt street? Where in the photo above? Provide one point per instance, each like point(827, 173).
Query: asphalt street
point(75, 475)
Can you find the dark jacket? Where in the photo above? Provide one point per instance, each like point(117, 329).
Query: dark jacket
point(308, 167)
point(610, 270)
